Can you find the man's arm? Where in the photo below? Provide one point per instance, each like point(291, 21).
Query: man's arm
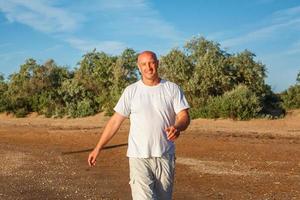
point(181, 123)
point(110, 130)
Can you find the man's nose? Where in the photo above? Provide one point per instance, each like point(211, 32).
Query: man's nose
point(148, 65)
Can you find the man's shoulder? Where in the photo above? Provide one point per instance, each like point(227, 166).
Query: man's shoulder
point(170, 85)
point(132, 87)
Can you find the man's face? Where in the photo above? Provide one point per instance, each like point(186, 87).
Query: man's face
point(148, 65)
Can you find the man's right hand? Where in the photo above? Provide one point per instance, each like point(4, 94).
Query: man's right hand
point(109, 131)
point(92, 157)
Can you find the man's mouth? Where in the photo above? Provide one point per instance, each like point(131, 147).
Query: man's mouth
point(149, 72)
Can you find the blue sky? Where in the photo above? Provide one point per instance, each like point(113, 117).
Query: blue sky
point(64, 30)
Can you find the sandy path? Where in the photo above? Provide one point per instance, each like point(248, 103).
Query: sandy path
point(216, 159)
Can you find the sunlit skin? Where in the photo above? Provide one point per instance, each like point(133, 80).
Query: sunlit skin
point(148, 65)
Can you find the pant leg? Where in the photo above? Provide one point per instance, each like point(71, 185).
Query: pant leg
point(164, 174)
point(142, 180)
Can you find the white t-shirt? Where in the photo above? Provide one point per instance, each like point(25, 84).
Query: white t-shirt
point(151, 109)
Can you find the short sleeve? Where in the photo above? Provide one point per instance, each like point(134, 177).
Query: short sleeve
point(180, 103)
point(123, 105)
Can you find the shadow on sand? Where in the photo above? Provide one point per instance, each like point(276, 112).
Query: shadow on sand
point(87, 150)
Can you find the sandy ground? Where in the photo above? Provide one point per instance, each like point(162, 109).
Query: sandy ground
point(44, 158)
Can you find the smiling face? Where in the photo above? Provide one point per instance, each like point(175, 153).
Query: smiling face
point(148, 64)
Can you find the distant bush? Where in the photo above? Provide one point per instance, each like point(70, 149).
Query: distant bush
point(3, 98)
point(272, 105)
point(81, 109)
point(3, 103)
point(78, 101)
point(240, 103)
point(216, 84)
point(54, 91)
point(206, 72)
point(19, 106)
point(47, 103)
point(21, 112)
point(291, 97)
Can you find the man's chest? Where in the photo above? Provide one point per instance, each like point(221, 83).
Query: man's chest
point(145, 101)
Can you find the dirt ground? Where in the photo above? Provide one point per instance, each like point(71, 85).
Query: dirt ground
point(44, 158)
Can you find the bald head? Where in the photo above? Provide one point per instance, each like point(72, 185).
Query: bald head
point(147, 54)
point(148, 64)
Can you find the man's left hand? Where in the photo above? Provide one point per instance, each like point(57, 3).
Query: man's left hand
point(172, 133)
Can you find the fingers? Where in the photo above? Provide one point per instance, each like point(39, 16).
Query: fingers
point(167, 129)
point(173, 136)
point(170, 129)
point(92, 160)
point(172, 133)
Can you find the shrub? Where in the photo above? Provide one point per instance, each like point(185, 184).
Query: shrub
point(3, 103)
point(3, 88)
point(85, 108)
point(291, 97)
point(240, 103)
point(78, 101)
point(21, 112)
point(272, 105)
point(18, 106)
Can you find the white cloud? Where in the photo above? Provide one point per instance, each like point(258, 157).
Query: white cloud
point(53, 48)
point(294, 49)
point(131, 17)
point(267, 32)
point(275, 39)
point(281, 21)
point(286, 13)
point(122, 5)
point(111, 47)
point(135, 18)
point(40, 15)
point(7, 56)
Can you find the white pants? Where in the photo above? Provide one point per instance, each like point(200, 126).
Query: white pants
point(152, 178)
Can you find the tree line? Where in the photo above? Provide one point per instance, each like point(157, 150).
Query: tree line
point(215, 82)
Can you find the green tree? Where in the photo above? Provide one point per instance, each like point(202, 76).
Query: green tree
point(19, 91)
point(248, 72)
point(96, 76)
point(212, 73)
point(291, 96)
point(124, 73)
point(205, 71)
point(177, 67)
point(35, 87)
point(209, 76)
point(202, 71)
point(77, 100)
point(46, 81)
point(239, 103)
point(3, 89)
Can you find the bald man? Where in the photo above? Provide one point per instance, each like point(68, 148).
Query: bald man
point(158, 112)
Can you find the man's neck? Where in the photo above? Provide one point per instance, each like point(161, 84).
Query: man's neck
point(151, 82)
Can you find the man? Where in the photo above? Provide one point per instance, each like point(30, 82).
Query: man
point(158, 112)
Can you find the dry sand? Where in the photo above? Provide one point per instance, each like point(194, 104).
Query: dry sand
point(45, 158)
